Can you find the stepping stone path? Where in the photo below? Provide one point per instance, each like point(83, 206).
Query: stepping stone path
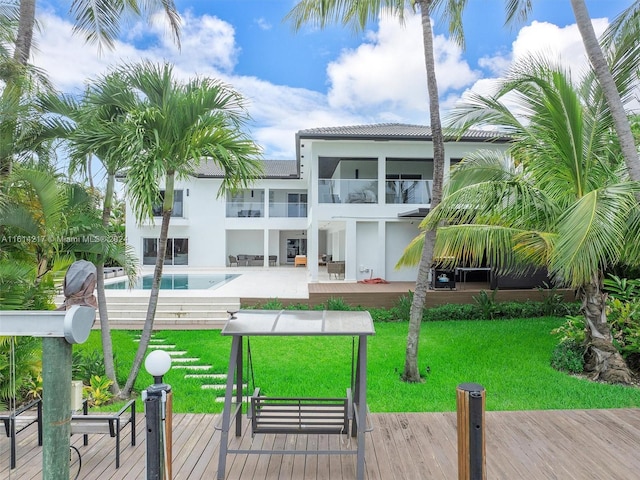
point(189, 364)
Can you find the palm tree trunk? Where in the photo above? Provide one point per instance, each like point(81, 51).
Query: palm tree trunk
point(608, 85)
point(105, 330)
point(411, 372)
point(147, 330)
point(25, 31)
point(603, 361)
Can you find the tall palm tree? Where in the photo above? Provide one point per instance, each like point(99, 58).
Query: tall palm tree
point(171, 128)
point(629, 21)
point(357, 14)
point(92, 128)
point(563, 201)
point(99, 21)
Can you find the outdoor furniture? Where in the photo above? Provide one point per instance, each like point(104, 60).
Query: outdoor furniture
point(250, 213)
point(18, 420)
point(335, 268)
point(243, 260)
point(273, 260)
point(443, 278)
point(462, 273)
point(296, 413)
point(232, 260)
point(529, 278)
point(300, 260)
point(256, 260)
point(300, 415)
point(106, 424)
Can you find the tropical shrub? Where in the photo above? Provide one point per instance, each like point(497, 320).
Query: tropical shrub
point(567, 356)
point(20, 362)
point(87, 364)
point(97, 392)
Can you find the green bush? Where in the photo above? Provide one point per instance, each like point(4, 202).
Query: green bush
point(87, 364)
point(487, 304)
point(486, 308)
point(339, 304)
point(568, 356)
point(451, 311)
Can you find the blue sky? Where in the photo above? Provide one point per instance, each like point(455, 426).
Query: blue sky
point(319, 78)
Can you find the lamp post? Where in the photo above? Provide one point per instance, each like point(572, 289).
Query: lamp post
point(158, 412)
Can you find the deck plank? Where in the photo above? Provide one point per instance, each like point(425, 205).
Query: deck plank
point(563, 445)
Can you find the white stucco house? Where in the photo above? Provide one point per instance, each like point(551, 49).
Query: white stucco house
point(355, 194)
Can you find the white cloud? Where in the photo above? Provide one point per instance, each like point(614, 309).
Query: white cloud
point(387, 72)
point(382, 80)
point(543, 38)
point(263, 24)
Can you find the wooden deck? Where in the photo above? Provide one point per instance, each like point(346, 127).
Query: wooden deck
point(566, 445)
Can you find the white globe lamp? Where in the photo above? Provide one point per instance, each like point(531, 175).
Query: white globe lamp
point(157, 364)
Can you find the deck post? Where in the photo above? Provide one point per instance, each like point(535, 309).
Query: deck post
point(362, 404)
point(470, 400)
point(228, 404)
point(56, 408)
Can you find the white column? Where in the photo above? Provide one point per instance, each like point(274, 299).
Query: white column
point(350, 245)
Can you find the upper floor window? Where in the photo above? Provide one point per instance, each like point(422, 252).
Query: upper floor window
point(178, 205)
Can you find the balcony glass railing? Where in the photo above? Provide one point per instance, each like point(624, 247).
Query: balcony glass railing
point(347, 191)
point(408, 191)
point(245, 210)
point(287, 210)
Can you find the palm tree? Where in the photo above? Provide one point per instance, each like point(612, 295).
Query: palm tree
point(626, 24)
point(93, 129)
point(171, 128)
point(50, 223)
point(563, 200)
point(357, 14)
point(99, 21)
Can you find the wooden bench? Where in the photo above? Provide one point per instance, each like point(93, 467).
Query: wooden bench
point(106, 424)
point(300, 415)
point(18, 420)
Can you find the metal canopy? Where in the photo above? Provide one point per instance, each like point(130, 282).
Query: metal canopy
point(296, 322)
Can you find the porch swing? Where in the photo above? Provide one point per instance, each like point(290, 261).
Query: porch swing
point(296, 415)
point(299, 415)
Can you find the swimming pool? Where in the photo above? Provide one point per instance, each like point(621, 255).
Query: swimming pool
point(176, 281)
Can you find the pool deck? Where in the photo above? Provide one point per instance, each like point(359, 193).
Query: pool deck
point(291, 284)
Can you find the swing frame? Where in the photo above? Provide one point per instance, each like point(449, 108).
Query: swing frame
point(297, 411)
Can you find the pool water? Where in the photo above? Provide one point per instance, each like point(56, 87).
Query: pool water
point(176, 281)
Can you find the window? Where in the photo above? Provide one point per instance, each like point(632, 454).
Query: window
point(177, 205)
point(177, 251)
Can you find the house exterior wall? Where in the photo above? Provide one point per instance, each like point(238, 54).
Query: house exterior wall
point(369, 234)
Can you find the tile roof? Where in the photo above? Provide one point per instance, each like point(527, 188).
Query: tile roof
point(396, 131)
point(272, 169)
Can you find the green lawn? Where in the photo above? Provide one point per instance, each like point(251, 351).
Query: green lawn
point(509, 358)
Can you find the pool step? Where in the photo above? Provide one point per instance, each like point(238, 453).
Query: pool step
point(180, 310)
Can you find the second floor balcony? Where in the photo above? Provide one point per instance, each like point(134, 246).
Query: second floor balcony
point(366, 191)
